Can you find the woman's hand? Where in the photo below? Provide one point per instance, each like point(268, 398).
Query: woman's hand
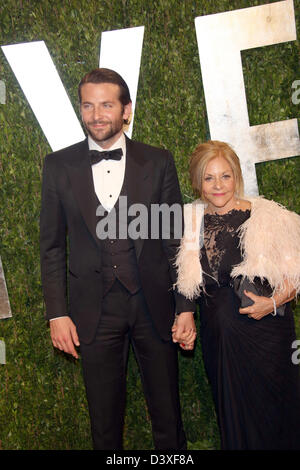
point(184, 330)
point(261, 307)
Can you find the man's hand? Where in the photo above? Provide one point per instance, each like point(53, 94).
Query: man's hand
point(64, 335)
point(184, 330)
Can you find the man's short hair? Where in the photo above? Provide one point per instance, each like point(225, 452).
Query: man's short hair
point(102, 75)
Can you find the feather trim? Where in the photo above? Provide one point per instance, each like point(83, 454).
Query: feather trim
point(270, 243)
point(189, 272)
point(269, 240)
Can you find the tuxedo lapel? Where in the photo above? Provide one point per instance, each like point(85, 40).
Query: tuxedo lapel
point(138, 176)
point(81, 178)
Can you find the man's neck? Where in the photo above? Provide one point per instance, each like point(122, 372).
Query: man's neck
point(119, 142)
point(109, 143)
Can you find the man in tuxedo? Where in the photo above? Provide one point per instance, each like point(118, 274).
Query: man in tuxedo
point(102, 294)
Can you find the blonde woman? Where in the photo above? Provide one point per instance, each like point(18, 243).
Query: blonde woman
point(240, 261)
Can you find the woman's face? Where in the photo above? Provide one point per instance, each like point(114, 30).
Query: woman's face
point(218, 186)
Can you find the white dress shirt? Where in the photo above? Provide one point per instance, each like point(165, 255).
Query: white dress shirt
point(108, 175)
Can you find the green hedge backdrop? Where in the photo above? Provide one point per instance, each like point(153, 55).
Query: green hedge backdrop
point(42, 399)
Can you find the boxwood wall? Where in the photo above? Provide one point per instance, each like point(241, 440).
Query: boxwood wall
point(42, 399)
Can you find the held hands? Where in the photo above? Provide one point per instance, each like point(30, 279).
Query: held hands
point(261, 307)
point(64, 335)
point(184, 330)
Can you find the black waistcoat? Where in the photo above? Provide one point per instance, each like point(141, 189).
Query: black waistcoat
point(118, 254)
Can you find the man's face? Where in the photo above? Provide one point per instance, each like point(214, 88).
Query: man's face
point(102, 112)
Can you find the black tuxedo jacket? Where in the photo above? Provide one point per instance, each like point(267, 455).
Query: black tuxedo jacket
point(71, 251)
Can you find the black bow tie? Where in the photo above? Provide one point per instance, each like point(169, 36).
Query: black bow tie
point(96, 156)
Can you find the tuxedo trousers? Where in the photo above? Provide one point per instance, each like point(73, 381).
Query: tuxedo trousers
point(125, 320)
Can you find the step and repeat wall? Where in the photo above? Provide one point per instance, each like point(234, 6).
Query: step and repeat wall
point(225, 70)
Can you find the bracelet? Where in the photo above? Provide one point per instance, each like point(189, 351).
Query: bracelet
point(274, 313)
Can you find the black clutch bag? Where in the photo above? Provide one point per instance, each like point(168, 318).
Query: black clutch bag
point(257, 287)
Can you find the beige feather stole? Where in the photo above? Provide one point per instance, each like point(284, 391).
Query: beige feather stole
point(269, 240)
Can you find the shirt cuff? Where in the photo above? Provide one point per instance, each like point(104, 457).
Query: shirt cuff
point(56, 318)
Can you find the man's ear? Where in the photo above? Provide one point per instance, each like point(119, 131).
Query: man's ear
point(127, 112)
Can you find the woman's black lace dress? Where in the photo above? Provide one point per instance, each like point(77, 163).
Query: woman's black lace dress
point(254, 382)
